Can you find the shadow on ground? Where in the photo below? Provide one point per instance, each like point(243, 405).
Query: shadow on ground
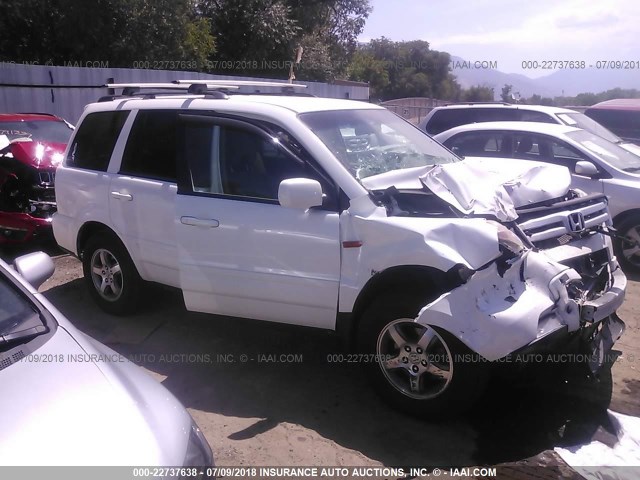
point(201, 358)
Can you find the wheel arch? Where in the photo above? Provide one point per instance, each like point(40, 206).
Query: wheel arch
point(626, 214)
point(89, 229)
point(402, 278)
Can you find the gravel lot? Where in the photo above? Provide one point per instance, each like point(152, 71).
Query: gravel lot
point(285, 404)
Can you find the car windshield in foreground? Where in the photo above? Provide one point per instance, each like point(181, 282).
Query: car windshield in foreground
point(608, 152)
point(372, 142)
point(16, 312)
point(53, 131)
point(580, 120)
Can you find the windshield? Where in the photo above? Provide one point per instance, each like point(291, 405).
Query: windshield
point(370, 142)
point(606, 151)
point(53, 131)
point(16, 312)
point(580, 120)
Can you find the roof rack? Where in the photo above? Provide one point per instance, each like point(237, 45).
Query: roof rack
point(210, 88)
point(241, 83)
point(476, 103)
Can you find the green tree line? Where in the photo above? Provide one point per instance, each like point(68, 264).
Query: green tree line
point(233, 37)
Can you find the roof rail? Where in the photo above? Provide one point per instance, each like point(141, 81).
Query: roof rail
point(476, 103)
point(210, 88)
point(241, 83)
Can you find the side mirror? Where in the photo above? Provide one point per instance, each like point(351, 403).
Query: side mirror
point(35, 268)
point(585, 168)
point(300, 193)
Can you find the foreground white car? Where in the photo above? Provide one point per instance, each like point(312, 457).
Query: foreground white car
point(338, 215)
point(69, 400)
point(596, 165)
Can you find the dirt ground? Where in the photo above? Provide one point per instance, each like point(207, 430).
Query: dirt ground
point(268, 394)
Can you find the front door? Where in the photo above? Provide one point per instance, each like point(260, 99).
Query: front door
point(240, 252)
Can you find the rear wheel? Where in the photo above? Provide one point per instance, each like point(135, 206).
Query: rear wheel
point(628, 251)
point(422, 370)
point(111, 276)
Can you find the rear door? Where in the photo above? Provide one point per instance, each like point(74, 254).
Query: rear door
point(142, 196)
point(240, 252)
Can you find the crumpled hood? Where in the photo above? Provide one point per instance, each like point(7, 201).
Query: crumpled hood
point(38, 154)
point(484, 186)
point(70, 410)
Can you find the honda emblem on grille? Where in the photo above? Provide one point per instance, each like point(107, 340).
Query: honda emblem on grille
point(576, 222)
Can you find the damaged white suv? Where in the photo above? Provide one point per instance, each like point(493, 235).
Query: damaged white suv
point(339, 215)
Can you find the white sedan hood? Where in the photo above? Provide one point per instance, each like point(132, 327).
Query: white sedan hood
point(484, 186)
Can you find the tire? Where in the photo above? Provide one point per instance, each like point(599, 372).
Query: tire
point(110, 275)
point(438, 376)
point(628, 255)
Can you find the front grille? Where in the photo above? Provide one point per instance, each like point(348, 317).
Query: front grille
point(552, 226)
point(589, 264)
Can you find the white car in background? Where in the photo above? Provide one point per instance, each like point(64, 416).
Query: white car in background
point(69, 400)
point(596, 165)
point(444, 118)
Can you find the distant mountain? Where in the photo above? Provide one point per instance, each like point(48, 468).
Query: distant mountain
point(589, 80)
point(561, 82)
point(468, 76)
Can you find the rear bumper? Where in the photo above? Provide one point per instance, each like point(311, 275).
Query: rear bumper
point(18, 228)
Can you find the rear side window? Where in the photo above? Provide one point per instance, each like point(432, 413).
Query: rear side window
point(533, 116)
point(443, 120)
point(624, 123)
point(93, 144)
point(481, 144)
point(151, 147)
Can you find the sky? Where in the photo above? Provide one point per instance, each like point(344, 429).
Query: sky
point(510, 32)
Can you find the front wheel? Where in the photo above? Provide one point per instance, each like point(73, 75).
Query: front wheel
point(422, 370)
point(111, 276)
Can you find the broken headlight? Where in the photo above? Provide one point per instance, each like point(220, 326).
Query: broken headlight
point(508, 240)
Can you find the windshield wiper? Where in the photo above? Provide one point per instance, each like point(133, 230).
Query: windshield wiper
point(631, 169)
point(14, 337)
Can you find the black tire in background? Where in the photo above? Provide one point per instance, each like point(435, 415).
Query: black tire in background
point(627, 253)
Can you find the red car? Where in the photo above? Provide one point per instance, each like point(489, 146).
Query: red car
point(31, 148)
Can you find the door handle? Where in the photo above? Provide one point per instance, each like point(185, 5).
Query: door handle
point(199, 222)
point(122, 196)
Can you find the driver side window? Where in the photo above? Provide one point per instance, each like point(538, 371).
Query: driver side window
point(232, 161)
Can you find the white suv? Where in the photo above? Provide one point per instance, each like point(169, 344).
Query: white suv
point(339, 215)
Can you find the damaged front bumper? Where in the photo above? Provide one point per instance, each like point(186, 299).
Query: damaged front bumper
point(536, 303)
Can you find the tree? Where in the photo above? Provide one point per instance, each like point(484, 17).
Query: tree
point(506, 93)
point(260, 37)
point(364, 67)
point(119, 32)
point(478, 93)
point(403, 69)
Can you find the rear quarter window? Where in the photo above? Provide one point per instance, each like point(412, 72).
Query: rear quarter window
point(443, 120)
point(94, 142)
